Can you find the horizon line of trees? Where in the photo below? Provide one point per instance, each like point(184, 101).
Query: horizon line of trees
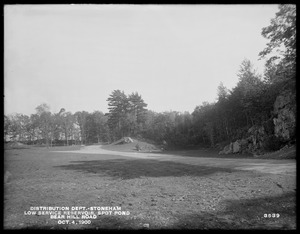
point(249, 103)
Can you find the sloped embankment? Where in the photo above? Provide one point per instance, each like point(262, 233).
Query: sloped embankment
point(131, 145)
point(15, 145)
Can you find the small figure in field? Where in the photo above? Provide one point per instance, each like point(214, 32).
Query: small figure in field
point(137, 147)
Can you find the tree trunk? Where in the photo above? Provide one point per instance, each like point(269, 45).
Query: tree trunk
point(252, 121)
point(66, 137)
point(226, 129)
point(203, 138)
point(211, 136)
point(247, 119)
point(47, 142)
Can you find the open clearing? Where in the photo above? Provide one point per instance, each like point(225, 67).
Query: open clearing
point(160, 190)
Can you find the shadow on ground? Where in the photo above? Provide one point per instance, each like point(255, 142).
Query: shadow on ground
point(203, 153)
point(130, 169)
point(246, 214)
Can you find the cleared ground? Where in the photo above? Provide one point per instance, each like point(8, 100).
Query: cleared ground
point(160, 190)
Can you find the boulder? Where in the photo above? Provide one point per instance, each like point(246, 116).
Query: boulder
point(244, 144)
point(227, 149)
point(257, 135)
point(236, 147)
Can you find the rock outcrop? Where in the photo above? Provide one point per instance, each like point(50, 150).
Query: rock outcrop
point(285, 116)
point(253, 143)
point(232, 148)
point(236, 147)
point(272, 133)
point(227, 149)
point(256, 138)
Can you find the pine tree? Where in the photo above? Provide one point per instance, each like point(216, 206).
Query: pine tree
point(118, 109)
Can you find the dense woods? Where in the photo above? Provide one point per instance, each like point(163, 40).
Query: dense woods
point(254, 106)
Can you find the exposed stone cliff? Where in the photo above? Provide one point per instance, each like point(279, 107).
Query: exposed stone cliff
point(274, 133)
point(285, 116)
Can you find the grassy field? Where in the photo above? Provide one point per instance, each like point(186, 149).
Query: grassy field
point(157, 194)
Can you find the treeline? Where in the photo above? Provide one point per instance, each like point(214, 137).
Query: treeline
point(250, 103)
point(63, 128)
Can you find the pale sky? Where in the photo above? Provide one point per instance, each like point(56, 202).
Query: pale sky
point(174, 56)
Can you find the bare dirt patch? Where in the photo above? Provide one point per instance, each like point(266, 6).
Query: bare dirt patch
point(159, 192)
point(135, 146)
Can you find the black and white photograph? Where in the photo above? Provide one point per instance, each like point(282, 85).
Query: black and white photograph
point(149, 117)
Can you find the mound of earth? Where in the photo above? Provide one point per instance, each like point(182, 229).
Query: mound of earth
point(134, 146)
point(284, 153)
point(15, 145)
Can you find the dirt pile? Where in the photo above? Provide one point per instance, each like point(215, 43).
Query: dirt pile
point(127, 144)
point(15, 145)
point(146, 147)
